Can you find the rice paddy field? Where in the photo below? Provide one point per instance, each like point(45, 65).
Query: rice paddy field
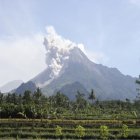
point(68, 129)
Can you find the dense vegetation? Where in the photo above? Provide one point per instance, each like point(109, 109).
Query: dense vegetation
point(35, 116)
point(36, 105)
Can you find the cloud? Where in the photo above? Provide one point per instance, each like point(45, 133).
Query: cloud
point(21, 58)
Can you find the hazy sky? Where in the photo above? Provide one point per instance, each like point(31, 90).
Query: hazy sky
point(109, 30)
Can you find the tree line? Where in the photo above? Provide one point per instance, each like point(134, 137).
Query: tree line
point(36, 105)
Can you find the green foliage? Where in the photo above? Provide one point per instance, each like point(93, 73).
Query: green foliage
point(135, 114)
point(36, 105)
point(92, 96)
point(125, 131)
point(80, 131)
point(37, 96)
point(58, 131)
point(27, 97)
point(81, 102)
point(104, 132)
point(22, 129)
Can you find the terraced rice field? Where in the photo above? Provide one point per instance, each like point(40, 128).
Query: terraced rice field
point(47, 129)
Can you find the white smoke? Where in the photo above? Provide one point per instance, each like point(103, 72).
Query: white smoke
point(58, 50)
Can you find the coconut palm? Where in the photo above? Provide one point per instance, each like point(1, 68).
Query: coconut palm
point(92, 96)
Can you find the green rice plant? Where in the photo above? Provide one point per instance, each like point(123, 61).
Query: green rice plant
point(104, 132)
point(17, 138)
point(58, 131)
point(80, 131)
point(125, 131)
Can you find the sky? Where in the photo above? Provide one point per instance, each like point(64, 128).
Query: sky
point(109, 30)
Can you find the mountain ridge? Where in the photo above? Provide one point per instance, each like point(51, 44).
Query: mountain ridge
point(66, 64)
point(108, 83)
point(8, 87)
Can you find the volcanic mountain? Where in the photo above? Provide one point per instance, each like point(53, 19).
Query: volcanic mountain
point(10, 86)
point(69, 69)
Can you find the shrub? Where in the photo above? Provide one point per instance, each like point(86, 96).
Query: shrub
point(104, 132)
point(80, 131)
point(125, 131)
point(58, 131)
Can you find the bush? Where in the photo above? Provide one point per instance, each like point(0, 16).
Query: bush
point(125, 131)
point(104, 132)
point(58, 131)
point(80, 131)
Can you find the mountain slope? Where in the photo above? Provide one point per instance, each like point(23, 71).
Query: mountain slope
point(71, 90)
point(108, 83)
point(67, 64)
point(26, 86)
point(10, 86)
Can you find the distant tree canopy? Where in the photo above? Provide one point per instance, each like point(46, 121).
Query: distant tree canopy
point(138, 88)
point(36, 105)
point(92, 95)
point(138, 80)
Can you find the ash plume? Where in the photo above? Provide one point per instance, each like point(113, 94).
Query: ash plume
point(57, 50)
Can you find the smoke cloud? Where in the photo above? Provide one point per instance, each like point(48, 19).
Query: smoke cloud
point(58, 50)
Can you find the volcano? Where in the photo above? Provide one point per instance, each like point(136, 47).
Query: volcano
point(67, 65)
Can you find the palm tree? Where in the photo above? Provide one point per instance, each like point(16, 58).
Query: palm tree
point(79, 97)
point(1, 98)
point(92, 96)
point(138, 89)
point(80, 101)
point(61, 100)
point(37, 95)
point(137, 101)
point(27, 97)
